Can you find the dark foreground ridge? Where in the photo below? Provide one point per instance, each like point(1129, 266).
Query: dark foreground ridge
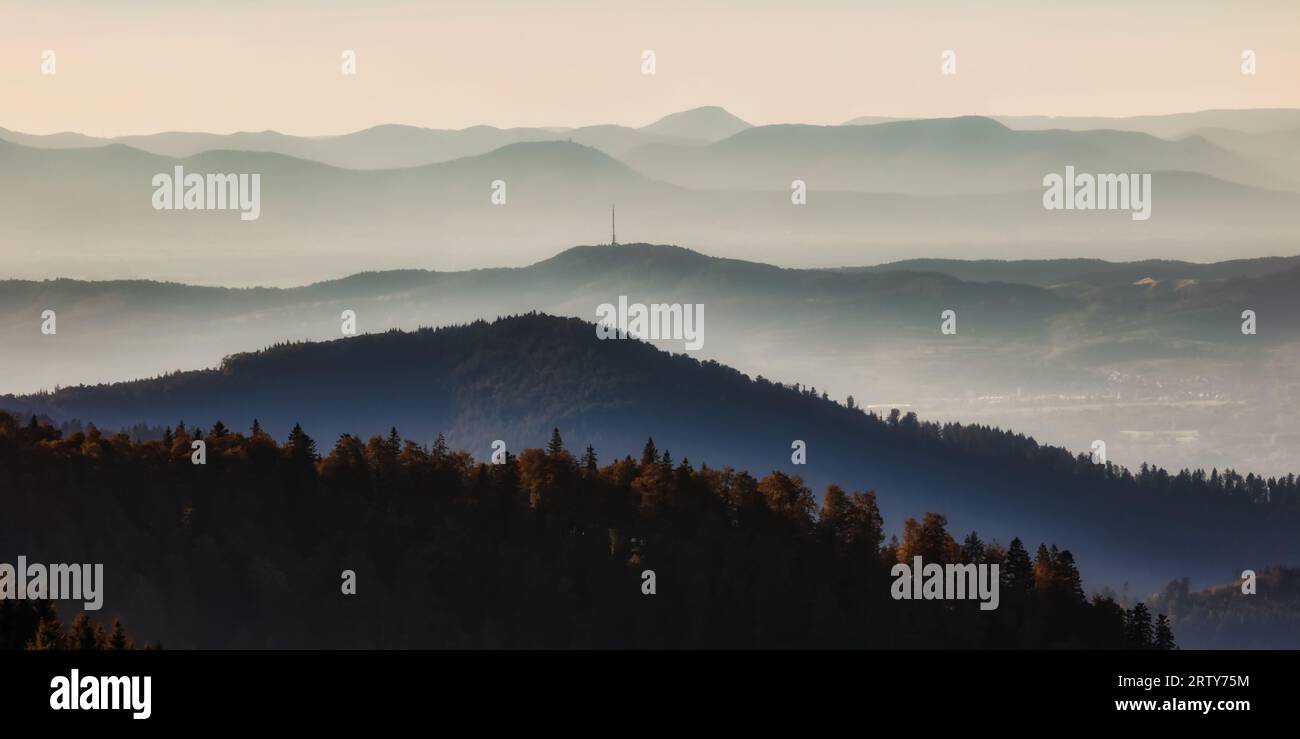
point(257, 547)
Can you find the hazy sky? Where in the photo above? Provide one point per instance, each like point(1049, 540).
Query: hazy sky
point(141, 66)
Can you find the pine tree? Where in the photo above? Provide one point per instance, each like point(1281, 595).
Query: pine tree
point(440, 450)
point(1017, 571)
point(589, 462)
point(1137, 627)
point(1164, 634)
point(394, 441)
point(972, 549)
point(300, 446)
point(1044, 569)
point(556, 444)
point(219, 430)
point(117, 637)
point(257, 428)
point(650, 454)
point(1067, 575)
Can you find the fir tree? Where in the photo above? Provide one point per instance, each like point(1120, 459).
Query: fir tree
point(300, 446)
point(1017, 571)
point(1164, 634)
point(117, 637)
point(1137, 627)
point(650, 454)
point(972, 549)
point(440, 450)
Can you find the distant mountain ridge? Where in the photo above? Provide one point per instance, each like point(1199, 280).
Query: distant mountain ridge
point(1168, 126)
point(392, 146)
point(91, 207)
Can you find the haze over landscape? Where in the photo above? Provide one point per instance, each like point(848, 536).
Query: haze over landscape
point(474, 246)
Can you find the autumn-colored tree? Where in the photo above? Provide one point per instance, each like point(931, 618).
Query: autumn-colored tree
point(929, 540)
point(117, 636)
point(1045, 570)
point(789, 498)
point(853, 522)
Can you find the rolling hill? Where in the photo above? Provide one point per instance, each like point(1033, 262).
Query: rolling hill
point(515, 378)
point(934, 157)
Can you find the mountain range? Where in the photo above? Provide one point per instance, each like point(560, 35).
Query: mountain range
point(874, 193)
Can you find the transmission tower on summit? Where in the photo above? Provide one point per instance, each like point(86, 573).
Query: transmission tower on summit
point(613, 234)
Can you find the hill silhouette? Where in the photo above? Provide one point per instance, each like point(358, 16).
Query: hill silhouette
point(1141, 347)
point(514, 378)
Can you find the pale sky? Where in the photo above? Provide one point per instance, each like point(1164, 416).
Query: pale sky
point(142, 66)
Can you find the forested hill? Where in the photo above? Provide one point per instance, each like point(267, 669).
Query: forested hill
point(389, 543)
point(516, 378)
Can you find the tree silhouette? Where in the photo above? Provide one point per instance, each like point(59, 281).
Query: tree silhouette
point(972, 549)
point(752, 566)
point(649, 455)
point(300, 446)
point(1137, 627)
point(1164, 633)
point(1017, 572)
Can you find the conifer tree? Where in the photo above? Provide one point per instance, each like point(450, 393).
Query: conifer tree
point(1164, 634)
point(650, 454)
point(1137, 627)
point(300, 446)
point(1044, 569)
point(1017, 571)
point(117, 637)
point(1067, 575)
point(556, 444)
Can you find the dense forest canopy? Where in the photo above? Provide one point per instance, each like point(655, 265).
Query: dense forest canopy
point(547, 549)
